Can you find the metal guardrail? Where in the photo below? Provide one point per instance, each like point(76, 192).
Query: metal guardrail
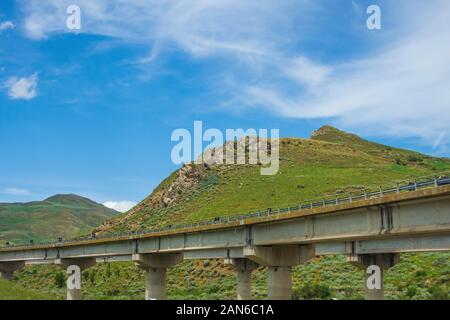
point(401, 186)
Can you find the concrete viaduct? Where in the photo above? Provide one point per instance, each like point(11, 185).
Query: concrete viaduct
point(370, 229)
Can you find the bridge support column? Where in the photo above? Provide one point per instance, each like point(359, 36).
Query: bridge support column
point(244, 268)
point(374, 266)
point(155, 266)
point(280, 260)
point(74, 274)
point(280, 283)
point(7, 269)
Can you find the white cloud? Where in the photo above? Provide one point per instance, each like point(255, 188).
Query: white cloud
point(22, 88)
point(198, 27)
point(398, 89)
point(16, 192)
point(5, 25)
point(303, 71)
point(121, 206)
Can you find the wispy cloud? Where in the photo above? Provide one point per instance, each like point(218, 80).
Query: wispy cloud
point(22, 88)
point(5, 25)
point(121, 206)
point(198, 27)
point(400, 88)
point(16, 192)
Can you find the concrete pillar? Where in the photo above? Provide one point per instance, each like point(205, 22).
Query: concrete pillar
point(155, 267)
point(73, 294)
point(243, 268)
point(7, 275)
point(280, 260)
point(7, 269)
point(374, 266)
point(155, 288)
point(74, 268)
point(280, 283)
point(244, 285)
point(373, 293)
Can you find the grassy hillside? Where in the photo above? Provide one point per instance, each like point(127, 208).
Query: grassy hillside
point(12, 291)
point(59, 216)
point(331, 162)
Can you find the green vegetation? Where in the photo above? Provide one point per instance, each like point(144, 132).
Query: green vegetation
point(12, 291)
point(63, 216)
point(333, 162)
point(417, 276)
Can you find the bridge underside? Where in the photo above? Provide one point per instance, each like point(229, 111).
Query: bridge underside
point(425, 243)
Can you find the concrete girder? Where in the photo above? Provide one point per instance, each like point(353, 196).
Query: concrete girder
point(383, 260)
point(280, 256)
point(157, 260)
point(83, 263)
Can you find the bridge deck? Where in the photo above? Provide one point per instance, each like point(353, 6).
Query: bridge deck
point(233, 228)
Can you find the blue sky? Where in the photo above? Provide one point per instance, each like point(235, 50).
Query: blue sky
point(92, 112)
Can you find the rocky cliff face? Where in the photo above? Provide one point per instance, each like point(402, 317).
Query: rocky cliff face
point(168, 193)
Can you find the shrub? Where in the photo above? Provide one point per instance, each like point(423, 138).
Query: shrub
point(312, 291)
point(420, 273)
point(413, 158)
point(411, 291)
point(60, 278)
point(438, 293)
point(92, 277)
point(112, 292)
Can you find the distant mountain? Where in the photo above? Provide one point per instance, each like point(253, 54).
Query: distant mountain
point(63, 216)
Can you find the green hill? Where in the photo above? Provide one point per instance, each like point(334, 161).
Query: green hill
point(331, 162)
point(59, 216)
